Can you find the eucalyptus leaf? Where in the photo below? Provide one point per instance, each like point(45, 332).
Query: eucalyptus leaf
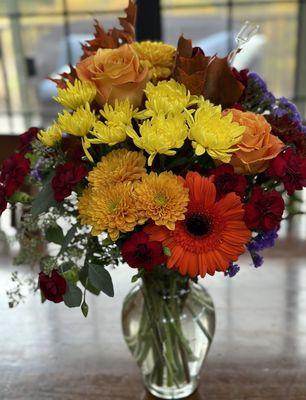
point(73, 296)
point(100, 278)
point(45, 198)
point(68, 238)
point(55, 234)
point(83, 276)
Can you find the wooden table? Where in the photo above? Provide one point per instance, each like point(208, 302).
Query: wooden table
point(49, 352)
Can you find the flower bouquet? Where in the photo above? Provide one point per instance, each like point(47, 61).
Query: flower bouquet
point(169, 160)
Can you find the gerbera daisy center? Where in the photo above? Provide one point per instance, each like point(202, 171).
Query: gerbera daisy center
point(198, 224)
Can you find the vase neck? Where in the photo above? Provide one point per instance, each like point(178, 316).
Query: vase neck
point(166, 284)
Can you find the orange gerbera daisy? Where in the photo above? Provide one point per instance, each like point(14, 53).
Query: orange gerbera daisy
point(212, 235)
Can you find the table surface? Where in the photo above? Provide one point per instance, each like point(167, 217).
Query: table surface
point(49, 352)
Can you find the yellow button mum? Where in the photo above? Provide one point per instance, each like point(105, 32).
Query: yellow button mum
point(76, 94)
point(162, 134)
point(157, 56)
point(51, 136)
point(163, 198)
point(112, 209)
point(78, 123)
point(214, 133)
point(118, 166)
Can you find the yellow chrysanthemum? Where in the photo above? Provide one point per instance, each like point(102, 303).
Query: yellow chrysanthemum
point(51, 136)
point(78, 123)
point(214, 133)
point(122, 112)
point(113, 130)
point(76, 94)
point(163, 198)
point(157, 56)
point(118, 166)
point(166, 97)
point(162, 134)
point(112, 209)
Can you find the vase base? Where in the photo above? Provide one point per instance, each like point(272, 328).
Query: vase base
point(173, 393)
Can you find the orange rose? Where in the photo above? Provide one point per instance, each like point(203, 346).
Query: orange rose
point(116, 73)
point(258, 145)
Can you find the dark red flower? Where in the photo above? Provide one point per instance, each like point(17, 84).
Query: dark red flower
point(291, 169)
point(3, 200)
point(241, 76)
point(25, 139)
point(264, 210)
point(226, 181)
point(67, 176)
point(139, 252)
point(238, 106)
point(53, 287)
point(73, 148)
point(289, 132)
point(14, 170)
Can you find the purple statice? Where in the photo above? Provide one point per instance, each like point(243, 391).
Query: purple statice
point(257, 259)
point(263, 241)
point(232, 270)
point(36, 172)
point(257, 97)
point(286, 107)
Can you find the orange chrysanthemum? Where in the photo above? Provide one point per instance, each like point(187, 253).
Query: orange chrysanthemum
point(163, 198)
point(212, 235)
point(118, 166)
point(111, 208)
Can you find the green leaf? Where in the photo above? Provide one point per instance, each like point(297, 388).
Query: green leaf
point(45, 198)
point(55, 234)
point(84, 308)
point(107, 242)
point(20, 197)
point(167, 251)
point(73, 296)
point(83, 276)
point(71, 275)
point(100, 278)
point(67, 239)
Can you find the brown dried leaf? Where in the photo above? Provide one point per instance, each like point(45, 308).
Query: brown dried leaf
point(65, 76)
point(114, 37)
point(221, 86)
point(190, 66)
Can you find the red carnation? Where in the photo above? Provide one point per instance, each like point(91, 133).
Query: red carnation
point(291, 169)
point(25, 139)
point(3, 200)
point(264, 210)
point(226, 181)
point(14, 170)
point(53, 287)
point(72, 148)
point(139, 252)
point(289, 132)
point(67, 176)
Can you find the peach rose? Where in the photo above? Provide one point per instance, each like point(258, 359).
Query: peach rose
point(116, 73)
point(258, 145)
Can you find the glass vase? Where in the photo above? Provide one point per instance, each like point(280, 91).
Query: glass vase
point(168, 324)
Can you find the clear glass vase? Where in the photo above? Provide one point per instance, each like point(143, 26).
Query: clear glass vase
point(168, 324)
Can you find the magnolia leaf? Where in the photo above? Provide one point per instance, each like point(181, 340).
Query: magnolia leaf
point(100, 278)
point(73, 296)
point(54, 234)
